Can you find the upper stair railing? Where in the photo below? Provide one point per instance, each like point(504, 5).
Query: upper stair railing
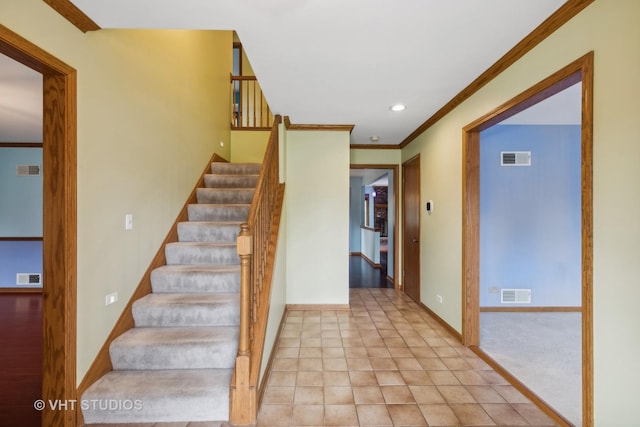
point(256, 248)
point(249, 108)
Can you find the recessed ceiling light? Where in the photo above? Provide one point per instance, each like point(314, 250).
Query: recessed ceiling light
point(397, 107)
point(374, 138)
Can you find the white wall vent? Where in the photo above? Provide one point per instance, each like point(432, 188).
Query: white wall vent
point(515, 158)
point(515, 296)
point(28, 170)
point(28, 279)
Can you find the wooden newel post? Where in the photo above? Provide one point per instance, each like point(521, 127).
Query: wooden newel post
point(245, 251)
point(242, 399)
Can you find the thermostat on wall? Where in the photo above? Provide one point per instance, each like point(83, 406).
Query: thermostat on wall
point(429, 206)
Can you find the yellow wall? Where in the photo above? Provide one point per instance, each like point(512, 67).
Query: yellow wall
point(612, 29)
point(248, 146)
point(152, 108)
point(317, 212)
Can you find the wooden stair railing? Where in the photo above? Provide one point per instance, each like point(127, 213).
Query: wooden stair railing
point(256, 248)
point(249, 108)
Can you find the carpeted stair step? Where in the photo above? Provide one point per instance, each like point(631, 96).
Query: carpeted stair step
point(224, 195)
point(230, 181)
point(207, 231)
point(195, 279)
point(218, 212)
point(201, 253)
point(222, 309)
point(223, 168)
point(175, 348)
point(159, 395)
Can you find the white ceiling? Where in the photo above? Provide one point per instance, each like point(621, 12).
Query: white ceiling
point(348, 61)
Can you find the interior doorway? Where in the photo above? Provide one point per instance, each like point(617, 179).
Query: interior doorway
point(579, 72)
point(411, 227)
point(373, 221)
point(59, 223)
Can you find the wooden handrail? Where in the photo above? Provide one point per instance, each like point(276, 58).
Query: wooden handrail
point(249, 108)
point(255, 246)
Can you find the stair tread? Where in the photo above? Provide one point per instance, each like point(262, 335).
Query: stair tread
point(190, 298)
point(211, 268)
point(162, 395)
point(177, 335)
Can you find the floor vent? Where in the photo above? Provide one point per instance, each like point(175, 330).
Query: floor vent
point(515, 296)
point(515, 158)
point(28, 279)
point(28, 170)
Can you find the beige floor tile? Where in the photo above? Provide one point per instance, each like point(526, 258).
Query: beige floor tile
point(416, 377)
point(308, 396)
point(432, 364)
point(278, 395)
point(533, 414)
point(469, 377)
point(389, 378)
point(310, 352)
point(443, 378)
point(332, 352)
point(307, 415)
point(282, 378)
point(359, 364)
point(335, 364)
point(383, 364)
point(426, 394)
point(373, 415)
point(400, 352)
point(456, 363)
point(406, 415)
point(367, 395)
point(355, 352)
point(439, 415)
point(363, 378)
point(311, 364)
point(511, 394)
point(472, 414)
point(485, 394)
point(397, 394)
point(274, 415)
point(504, 414)
point(310, 379)
point(445, 351)
point(456, 394)
point(340, 415)
point(285, 365)
point(334, 395)
point(408, 363)
point(336, 378)
point(288, 352)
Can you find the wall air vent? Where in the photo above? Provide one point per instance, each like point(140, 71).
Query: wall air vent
point(28, 170)
point(515, 296)
point(515, 158)
point(28, 279)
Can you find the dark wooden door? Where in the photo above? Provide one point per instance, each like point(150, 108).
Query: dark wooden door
point(411, 227)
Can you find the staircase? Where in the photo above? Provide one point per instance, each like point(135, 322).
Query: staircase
point(176, 364)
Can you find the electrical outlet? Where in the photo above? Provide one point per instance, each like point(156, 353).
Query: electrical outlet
point(110, 298)
point(494, 290)
point(439, 299)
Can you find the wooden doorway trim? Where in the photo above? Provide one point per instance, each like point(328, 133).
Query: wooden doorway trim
point(59, 223)
point(580, 70)
point(396, 198)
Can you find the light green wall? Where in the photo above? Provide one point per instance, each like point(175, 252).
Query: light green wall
point(375, 157)
point(317, 200)
point(152, 108)
point(248, 146)
point(611, 28)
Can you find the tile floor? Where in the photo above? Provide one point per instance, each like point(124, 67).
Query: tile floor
point(384, 362)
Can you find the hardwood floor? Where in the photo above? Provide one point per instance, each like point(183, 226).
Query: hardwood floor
point(363, 275)
point(20, 359)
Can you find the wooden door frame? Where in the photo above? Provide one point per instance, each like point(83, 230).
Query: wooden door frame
point(580, 70)
point(59, 224)
point(414, 158)
point(395, 169)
